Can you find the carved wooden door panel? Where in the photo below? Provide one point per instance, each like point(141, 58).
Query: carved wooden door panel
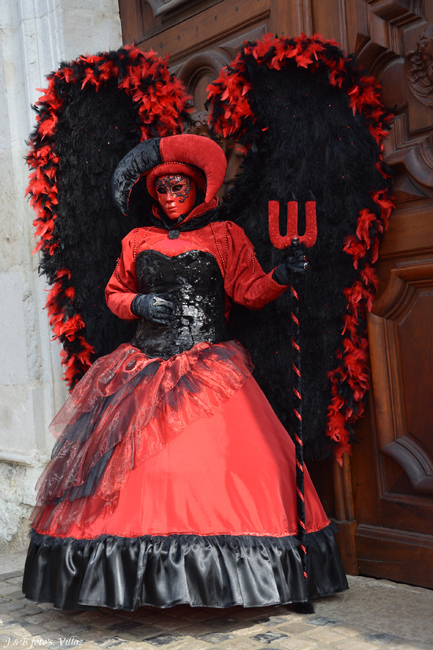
point(382, 500)
point(392, 468)
point(383, 497)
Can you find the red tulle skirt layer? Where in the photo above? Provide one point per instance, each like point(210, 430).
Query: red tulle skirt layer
point(122, 468)
point(126, 409)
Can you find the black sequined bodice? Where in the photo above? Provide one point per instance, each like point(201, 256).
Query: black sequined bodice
point(193, 282)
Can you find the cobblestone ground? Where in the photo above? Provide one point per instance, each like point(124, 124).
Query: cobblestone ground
point(372, 614)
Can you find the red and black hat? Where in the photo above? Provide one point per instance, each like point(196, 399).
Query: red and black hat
point(193, 155)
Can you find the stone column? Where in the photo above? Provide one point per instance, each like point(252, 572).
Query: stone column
point(36, 35)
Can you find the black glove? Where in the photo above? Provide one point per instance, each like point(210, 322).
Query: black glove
point(152, 307)
point(295, 262)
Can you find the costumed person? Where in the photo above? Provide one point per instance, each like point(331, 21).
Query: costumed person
point(172, 480)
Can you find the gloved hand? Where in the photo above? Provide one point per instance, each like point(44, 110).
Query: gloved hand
point(295, 262)
point(153, 307)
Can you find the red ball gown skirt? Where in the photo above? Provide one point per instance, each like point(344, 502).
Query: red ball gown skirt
point(174, 482)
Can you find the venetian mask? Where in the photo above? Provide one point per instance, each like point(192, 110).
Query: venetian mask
point(176, 195)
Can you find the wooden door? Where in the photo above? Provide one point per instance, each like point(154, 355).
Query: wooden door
point(392, 467)
point(382, 499)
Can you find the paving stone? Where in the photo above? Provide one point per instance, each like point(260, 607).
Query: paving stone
point(144, 632)
point(249, 630)
point(355, 644)
point(162, 640)
point(144, 615)
point(216, 637)
point(201, 614)
point(193, 628)
point(56, 615)
point(70, 613)
point(49, 638)
point(114, 642)
point(29, 610)
point(325, 634)
point(89, 617)
point(320, 621)
point(125, 625)
point(240, 644)
point(60, 641)
point(177, 610)
point(373, 615)
point(273, 647)
point(97, 636)
point(11, 574)
point(280, 610)
point(137, 613)
point(228, 624)
point(292, 643)
point(6, 589)
point(38, 619)
point(34, 642)
point(18, 595)
point(381, 638)
point(126, 645)
point(348, 631)
point(12, 605)
point(269, 621)
point(269, 637)
point(75, 629)
point(170, 623)
point(55, 625)
point(15, 580)
point(187, 643)
point(412, 645)
point(107, 621)
point(16, 621)
point(33, 630)
point(20, 631)
point(7, 640)
point(295, 628)
point(261, 614)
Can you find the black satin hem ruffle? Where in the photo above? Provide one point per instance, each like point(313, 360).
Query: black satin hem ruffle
point(201, 571)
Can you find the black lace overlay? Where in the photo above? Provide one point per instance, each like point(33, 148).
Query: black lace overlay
point(193, 282)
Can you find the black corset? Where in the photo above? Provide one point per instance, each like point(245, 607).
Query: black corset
point(193, 282)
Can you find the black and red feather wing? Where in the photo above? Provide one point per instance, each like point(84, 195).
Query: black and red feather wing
point(312, 123)
point(94, 110)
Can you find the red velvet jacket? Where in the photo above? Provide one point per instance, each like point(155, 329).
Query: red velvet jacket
point(245, 282)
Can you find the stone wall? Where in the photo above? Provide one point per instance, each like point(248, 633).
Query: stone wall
point(36, 35)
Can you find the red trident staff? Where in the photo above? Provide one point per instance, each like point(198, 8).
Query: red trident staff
point(293, 239)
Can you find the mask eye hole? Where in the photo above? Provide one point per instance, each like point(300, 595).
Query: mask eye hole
point(161, 190)
point(177, 188)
